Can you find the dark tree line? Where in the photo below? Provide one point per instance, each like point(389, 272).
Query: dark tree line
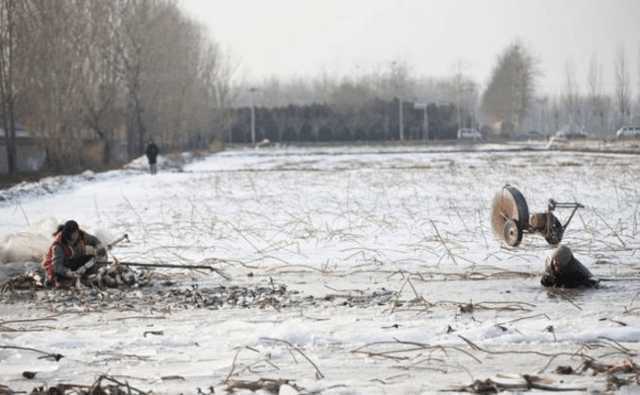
point(373, 120)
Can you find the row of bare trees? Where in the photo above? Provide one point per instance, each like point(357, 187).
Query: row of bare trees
point(510, 103)
point(588, 105)
point(119, 71)
point(124, 71)
point(511, 97)
point(394, 81)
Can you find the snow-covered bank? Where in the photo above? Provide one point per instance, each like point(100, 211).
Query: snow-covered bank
point(54, 184)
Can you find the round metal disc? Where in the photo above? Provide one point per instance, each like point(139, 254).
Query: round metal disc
point(512, 233)
point(509, 204)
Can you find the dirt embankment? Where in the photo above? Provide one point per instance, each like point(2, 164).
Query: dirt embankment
point(597, 146)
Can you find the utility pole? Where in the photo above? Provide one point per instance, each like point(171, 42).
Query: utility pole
point(400, 120)
point(458, 79)
point(253, 116)
point(459, 113)
point(395, 75)
point(426, 124)
point(542, 104)
point(425, 120)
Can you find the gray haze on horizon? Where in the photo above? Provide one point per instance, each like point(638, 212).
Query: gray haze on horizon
point(305, 39)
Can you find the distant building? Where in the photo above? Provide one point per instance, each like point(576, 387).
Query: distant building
point(31, 153)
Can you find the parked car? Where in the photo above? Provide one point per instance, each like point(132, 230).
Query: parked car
point(535, 135)
point(530, 135)
point(571, 134)
point(628, 132)
point(469, 134)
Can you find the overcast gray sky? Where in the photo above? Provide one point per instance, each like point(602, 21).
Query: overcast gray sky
point(303, 38)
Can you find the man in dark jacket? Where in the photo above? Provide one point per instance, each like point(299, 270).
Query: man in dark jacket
point(563, 270)
point(152, 155)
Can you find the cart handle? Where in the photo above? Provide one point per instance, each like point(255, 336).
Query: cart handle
point(574, 205)
point(553, 205)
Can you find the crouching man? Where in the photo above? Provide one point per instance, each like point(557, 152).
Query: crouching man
point(71, 250)
point(563, 270)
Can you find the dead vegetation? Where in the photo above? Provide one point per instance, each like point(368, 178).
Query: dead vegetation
point(617, 375)
point(103, 385)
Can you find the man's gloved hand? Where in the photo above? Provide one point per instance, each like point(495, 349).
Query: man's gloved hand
point(71, 274)
point(101, 251)
point(82, 270)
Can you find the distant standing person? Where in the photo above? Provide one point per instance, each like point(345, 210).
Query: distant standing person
point(152, 155)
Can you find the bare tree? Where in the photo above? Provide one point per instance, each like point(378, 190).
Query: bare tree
point(217, 75)
point(56, 66)
point(596, 100)
point(174, 74)
point(556, 114)
point(463, 91)
point(102, 82)
point(351, 95)
point(571, 95)
point(511, 88)
point(637, 120)
point(8, 43)
point(132, 47)
point(594, 78)
point(622, 87)
point(397, 80)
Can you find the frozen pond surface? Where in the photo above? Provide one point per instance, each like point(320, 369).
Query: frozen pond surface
point(393, 253)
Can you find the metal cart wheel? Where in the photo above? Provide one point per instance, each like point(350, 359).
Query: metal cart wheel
point(509, 215)
point(512, 233)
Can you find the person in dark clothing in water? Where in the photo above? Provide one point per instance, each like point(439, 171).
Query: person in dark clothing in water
point(71, 249)
point(563, 270)
point(152, 155)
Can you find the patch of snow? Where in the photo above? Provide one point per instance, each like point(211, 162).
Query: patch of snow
point(341, 225)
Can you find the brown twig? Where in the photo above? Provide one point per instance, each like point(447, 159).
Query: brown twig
point(444, 244)
point(551, 356)
point(488, 386)
point(235, 358)
point(415, 346)
point(46, 355)
point(319, 374)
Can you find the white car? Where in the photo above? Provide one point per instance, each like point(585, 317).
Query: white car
point(628, 132)
point(571, 134)
point(469, 133)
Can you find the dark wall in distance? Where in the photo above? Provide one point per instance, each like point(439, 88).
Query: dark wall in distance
point(374, 120)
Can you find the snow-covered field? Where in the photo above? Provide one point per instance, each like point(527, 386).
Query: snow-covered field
point(388, 255)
